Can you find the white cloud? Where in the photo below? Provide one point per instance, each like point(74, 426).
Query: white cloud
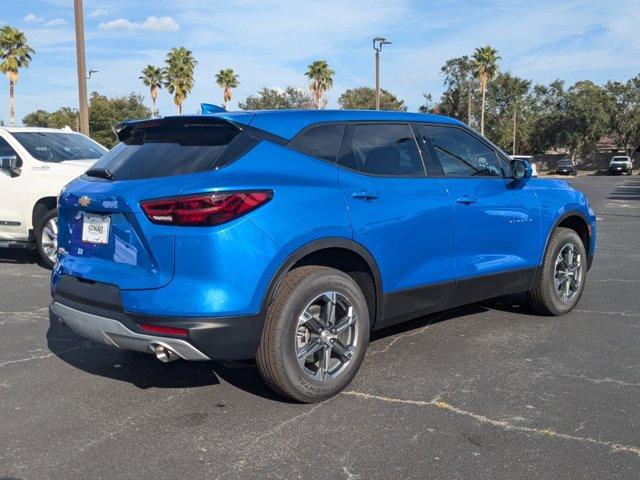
point(56, 22)
point(151, 24)
point(100, 12)
point(31, 18)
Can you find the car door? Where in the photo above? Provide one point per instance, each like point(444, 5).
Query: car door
point(402, 216)
point(13, 196)
point(497, 219)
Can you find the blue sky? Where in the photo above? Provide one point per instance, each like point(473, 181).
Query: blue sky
point(270, 43)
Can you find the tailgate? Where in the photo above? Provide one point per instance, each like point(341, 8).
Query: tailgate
point(137, 254)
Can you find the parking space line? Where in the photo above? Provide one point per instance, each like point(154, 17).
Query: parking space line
point(546, 432)
point(599, 381)
point(38, 357)
point(596, 312)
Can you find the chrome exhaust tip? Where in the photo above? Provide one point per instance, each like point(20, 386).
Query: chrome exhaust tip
point(165, 354)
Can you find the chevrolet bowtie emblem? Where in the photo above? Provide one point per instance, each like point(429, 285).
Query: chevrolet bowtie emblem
point(84, 201)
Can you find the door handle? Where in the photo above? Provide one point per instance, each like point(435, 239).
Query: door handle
point(467, 200)
point(367, 196)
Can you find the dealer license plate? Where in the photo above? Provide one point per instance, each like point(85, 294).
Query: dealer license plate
point(95, 229)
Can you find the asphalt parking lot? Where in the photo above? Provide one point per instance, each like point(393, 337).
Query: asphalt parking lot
point(489, 391)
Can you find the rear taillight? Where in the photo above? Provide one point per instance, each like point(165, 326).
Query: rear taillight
point(204, 209)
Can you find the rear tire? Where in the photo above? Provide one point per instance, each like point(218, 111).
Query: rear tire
point(46, 233)
point(561, 280)
point(298, 332)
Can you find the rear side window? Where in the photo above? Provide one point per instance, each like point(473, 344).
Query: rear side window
point(383, 149)
point(322, 141)
point(460, 153)
point(168, 150)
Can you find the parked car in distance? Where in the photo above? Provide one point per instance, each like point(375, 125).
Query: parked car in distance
point(567, 166)
point(528, 158)
point(621, 164)
point(288, 236)
point(35, 163)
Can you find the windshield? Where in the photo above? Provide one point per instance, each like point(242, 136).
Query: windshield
point(565, 163)
point(58, 147)
point(620, 159)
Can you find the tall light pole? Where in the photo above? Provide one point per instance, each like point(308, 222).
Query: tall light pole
point(82, 68)
point(377, 46)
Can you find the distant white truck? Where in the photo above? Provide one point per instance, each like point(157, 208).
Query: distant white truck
point(35, 164)
point(621, 164)
point(529, 159)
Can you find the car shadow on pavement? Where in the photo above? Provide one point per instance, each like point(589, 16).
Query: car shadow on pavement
point(20, 256)
point(516, 304)
point(145, 371)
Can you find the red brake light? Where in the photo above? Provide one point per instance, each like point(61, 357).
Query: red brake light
point(178, 332)
point(204, 209)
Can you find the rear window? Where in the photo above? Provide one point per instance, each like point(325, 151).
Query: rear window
point(58, 147)
point(168, 150)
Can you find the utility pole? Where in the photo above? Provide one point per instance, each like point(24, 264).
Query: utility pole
point(82, 69)
point(377, 46)
point(515, 116)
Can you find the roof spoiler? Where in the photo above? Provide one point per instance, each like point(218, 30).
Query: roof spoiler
point(123, 130)
point(208, 108)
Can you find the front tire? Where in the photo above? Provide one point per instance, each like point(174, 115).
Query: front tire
point(560, 283)
point(46, 233)
point(315, 335)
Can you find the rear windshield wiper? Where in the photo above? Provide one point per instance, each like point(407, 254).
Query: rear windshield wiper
point(101, 173)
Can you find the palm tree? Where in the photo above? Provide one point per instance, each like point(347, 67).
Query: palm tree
point(14, 54)
point(320, 80)
point(485, 67)
point(153, 77)
point(226, 80)
point(178, 74)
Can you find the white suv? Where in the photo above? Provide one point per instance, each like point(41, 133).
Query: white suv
point(620, 164)
point(35, 163)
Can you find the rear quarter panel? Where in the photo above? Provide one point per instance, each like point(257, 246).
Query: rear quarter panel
point(226, 270)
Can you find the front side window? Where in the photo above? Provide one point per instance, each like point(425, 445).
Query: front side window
point(383, 149)
point(58, 147)
point(322, 141)
point(460, 153)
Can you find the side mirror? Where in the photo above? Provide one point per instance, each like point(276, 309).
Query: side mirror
point(521, 169)
point(9, 162)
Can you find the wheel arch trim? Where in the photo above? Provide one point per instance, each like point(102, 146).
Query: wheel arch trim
point(562, 218)
point(322, 244)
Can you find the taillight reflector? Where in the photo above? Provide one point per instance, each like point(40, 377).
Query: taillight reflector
point(204, 209)
point(178, 332)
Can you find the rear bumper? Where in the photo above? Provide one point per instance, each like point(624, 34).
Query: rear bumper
point(94, 311)
point(111, 332)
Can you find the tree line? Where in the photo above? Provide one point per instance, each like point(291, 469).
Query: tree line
point(517, 115)
point(526, 119)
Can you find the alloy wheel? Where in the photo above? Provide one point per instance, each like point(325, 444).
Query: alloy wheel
point(49, 239)
point(326, 336)
point(568, 273)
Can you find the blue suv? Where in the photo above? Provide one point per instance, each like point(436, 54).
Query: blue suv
point(288, 236)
